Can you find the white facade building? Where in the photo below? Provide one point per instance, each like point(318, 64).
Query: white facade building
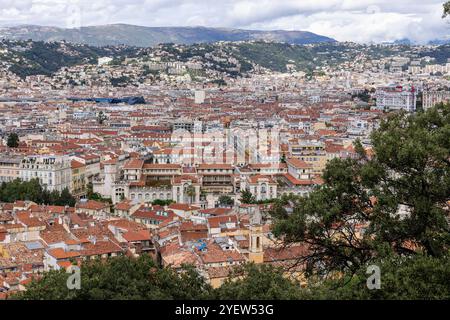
point(397, 98)
point(53, 172)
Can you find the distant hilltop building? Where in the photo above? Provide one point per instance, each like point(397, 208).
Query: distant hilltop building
point(396, 98)
point(104, 60)
point(432, 98)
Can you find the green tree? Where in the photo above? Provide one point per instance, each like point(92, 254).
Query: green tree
point(402, 278)
point(392, 203)
point(162, 203)
point(226, 201)
point(446, 9)
point(66, 199)
point(247, 197)
point(120, 278)
point(33, 191)
point(190, 192)
point(258, 282)
point(101, 118)
point(13, 140)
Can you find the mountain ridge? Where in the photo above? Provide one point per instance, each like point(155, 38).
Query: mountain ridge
point(141, 36)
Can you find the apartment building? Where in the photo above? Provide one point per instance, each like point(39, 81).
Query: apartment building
point(53, 172)
point(9, 168)
point(397, 98)
point(432, 98)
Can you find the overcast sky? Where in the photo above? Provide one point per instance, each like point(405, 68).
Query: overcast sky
point(344, 20)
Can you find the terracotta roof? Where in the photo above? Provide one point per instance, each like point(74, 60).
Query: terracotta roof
point(59, 253)
point(256, 178)
point(285, 253)
point(92, 205)
point(183, 207)
point(191, 226)
point(76, 165)
point(302, 182)
point(124, 205)
point(148, 213)
point(299, 164)
point(176, 259)
point(215, 254)
point(132, 236)
point(134, 164)
point(216, 211)
point(215, 222)
point(100, 247)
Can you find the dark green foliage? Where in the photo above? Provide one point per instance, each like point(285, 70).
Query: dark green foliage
point(441, 54)
point(219, 82)
point(446, 9)
point(33, 191)
point(162, 203)
point(417, 277)
point(363, 96)
point(410, 170)
point(122, 81)
point(258, 282)
point(66, 199)
point(247, 197)
point(46, 58)
point(226, 201)
point(13, 140)
point(275, 56)
point(402, 278)
point(120, 278)
point(101, 118)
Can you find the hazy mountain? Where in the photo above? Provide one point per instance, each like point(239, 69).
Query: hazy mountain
point(439, 42)
point(117, 34)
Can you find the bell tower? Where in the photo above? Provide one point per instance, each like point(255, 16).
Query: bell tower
point(256, 252)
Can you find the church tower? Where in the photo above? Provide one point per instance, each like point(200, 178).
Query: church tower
point(256, 252)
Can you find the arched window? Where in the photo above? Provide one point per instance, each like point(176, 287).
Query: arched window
point(264, 188)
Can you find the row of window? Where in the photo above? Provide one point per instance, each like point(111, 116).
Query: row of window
point(147, 196)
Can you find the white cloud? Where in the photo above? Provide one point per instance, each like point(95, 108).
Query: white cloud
point(346, 20)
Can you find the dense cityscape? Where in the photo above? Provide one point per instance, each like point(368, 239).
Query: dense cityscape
point(187, 153)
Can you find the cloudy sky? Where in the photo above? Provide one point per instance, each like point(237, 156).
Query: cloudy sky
point(344, 20)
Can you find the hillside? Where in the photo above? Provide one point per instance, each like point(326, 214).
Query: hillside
point(209, 60)
point(131, 35)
